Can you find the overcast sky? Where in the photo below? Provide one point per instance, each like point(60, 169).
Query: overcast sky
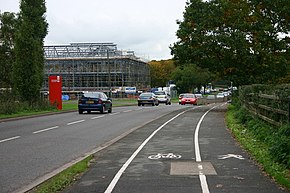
point(147, 27)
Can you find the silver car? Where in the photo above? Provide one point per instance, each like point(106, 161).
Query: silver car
point(148, 98)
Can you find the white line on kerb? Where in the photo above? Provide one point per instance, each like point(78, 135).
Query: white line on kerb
point(9, 139)
point(43, 130)
point(202, 177)
point(75, 122)
point(124, 167)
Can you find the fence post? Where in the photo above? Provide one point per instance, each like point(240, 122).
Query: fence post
point(288, 109)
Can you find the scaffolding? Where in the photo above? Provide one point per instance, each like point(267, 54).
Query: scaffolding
point(95, 66)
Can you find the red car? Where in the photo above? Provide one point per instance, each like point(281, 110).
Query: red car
point(188, 99)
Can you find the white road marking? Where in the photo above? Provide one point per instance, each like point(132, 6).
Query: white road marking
point(124, 167)
point(75, 122)
point(202, 177)
point(230, 156)
point(127, 111)
point(98, 117)
point(43, 130)
point(9, 139)
point(115, 113)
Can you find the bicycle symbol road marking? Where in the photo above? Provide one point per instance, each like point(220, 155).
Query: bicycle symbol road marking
point(164, 156)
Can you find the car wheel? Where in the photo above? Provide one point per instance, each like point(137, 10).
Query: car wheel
point(102, 110)
point(169, 103)
point(110, 110)
point(89, 112)
point(153, 104)
point(80, 112)
point(139, 104)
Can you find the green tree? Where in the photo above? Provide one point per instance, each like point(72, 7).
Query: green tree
point(28, 69)
point(7, 33)
point(237, 39)
point(190, 77)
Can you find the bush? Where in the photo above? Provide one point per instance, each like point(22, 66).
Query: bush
point(280, 148)
point(9, 104)
point(277, 139)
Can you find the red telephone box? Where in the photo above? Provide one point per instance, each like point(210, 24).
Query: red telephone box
point(55, 91)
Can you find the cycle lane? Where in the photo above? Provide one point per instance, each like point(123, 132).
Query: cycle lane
point(165, 173)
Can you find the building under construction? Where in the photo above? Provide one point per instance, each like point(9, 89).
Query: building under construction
point(95, 66)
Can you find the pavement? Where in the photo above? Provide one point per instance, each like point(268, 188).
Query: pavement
point(182, 152)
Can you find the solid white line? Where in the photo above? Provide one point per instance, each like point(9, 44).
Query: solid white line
point(75, 122)
point(196, 144)
point(43, 130)
point(202, 177)
point(124, 167)
point(9, 139)
point(98, 117)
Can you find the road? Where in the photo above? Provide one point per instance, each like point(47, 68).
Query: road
point(186, 151)
point(33, 149)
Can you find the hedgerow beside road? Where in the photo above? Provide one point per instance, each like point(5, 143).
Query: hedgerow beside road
point(268, 145)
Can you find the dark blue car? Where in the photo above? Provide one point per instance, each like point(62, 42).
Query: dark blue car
point(95, 101)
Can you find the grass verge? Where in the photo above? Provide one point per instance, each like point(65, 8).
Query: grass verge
point(71, 105)
point(63, 179)
point(259, 150)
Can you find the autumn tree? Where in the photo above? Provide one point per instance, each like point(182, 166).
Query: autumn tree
point(160, 72)
point(7, 32)
point(240, 40)
point(28, 71)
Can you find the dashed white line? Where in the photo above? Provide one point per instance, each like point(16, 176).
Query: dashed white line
point(47, 129)
point(127, 111)
point(98, 117)
point(75, 122)
point(9, 139)
point(115, 113)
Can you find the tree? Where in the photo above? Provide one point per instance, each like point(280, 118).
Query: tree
point(161, 72)
point(237, 39)
point(190, 77)
point(28, 71)
point(7, 32)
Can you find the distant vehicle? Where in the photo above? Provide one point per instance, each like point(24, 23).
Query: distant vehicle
point(163, 97)
point(227, 93)
point(180, 97)
point(198, 96)
point(148, 98)
point(94, 101)
point(220, 95)
point(210, 97)
point(189, 99)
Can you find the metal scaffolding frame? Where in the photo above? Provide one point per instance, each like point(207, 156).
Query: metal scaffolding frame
point(95, 66)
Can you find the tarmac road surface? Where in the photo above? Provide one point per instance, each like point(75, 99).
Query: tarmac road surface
point(188, 150)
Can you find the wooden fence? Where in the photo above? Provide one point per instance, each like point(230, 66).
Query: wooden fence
point(273, 108)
